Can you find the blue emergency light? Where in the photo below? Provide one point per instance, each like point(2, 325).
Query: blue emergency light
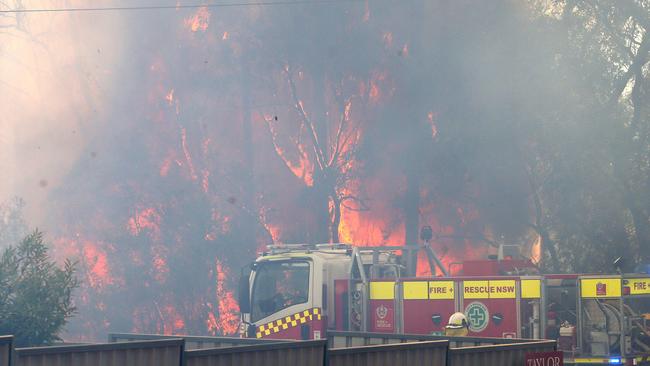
point(615, 361)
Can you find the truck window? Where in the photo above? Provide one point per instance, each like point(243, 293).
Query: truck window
point(279, 285)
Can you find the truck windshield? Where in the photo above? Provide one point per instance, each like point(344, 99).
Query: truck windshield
point(279, 285)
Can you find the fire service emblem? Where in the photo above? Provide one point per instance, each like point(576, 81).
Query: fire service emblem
point(478, 316)
point(382, 311)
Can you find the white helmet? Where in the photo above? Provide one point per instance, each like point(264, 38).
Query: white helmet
point(457, 320)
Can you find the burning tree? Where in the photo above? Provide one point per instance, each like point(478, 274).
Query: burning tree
point(325, 153)
point(319, 106)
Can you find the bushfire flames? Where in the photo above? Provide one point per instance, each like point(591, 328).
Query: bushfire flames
point(218, 166)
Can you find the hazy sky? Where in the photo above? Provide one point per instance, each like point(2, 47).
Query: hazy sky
point(48, 61)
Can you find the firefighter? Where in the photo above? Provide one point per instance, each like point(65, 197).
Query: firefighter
point(457, 325)
point(295, 292)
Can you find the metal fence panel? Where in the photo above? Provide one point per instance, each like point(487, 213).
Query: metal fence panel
point(341, 339)
point(5, 350)
point(430, 353)
point(149, 353)
point(497, 355)
point(299, 353)
point(193, 342)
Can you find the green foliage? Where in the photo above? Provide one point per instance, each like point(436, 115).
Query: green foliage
point(35, 294)
point(590, 162)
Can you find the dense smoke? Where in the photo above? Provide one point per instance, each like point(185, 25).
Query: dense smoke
point(164, 147)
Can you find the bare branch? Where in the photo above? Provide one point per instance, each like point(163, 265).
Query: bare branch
point(306, 121)
point(278, 148)
point(337, 142)
point(636, 11)
point(640, 59)
point(362, 206)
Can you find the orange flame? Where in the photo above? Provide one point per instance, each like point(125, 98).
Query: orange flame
point(147, 219)
point(163, 319)
point(97, 263)
point(159, 263)
point(199, 21)
point(536, 250)
point(166, 164)
point(405, 50)
point(186, 152)
point(273, 230)
point(432, 124)
point(205, 181)
point(170, 97)
point(228, 321)
point(303, 168)
point(369, 227)
point(365, 230)
point(172, 321)
point(375, 92)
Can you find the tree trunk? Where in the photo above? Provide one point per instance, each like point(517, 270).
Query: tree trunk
point(336, 218)
point(322, 180)
point(641, 223)
point(549, 245)
point(417, 138)
point(540, 226)
point(412, 217)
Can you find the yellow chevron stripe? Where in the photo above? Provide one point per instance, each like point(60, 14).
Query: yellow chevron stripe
point(288, 321)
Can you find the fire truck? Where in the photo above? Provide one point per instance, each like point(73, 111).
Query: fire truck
point(301, 291)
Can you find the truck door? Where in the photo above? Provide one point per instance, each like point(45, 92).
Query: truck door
point(636, 307)
point(531, 307)
point(427, 305)
point(282, 299)
point(491, 307)
point(381, 309)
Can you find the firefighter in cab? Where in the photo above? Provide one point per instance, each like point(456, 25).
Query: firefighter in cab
point(457, 325)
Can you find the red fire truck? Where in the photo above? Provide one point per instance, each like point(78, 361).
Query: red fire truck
point(300, 291)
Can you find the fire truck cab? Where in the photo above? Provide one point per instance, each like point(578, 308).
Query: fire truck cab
point(300, 291)
point(293, 289)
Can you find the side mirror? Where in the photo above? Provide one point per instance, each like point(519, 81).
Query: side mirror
point(244, 291)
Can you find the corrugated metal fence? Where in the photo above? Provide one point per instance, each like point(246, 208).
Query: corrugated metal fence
point(497, 355)
point(432, 353)
point(299, 353)
point(340, 339)
point(5, 350)
point(193, 342)
point(399, 350)
point(150, 353)
point(335, 339)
